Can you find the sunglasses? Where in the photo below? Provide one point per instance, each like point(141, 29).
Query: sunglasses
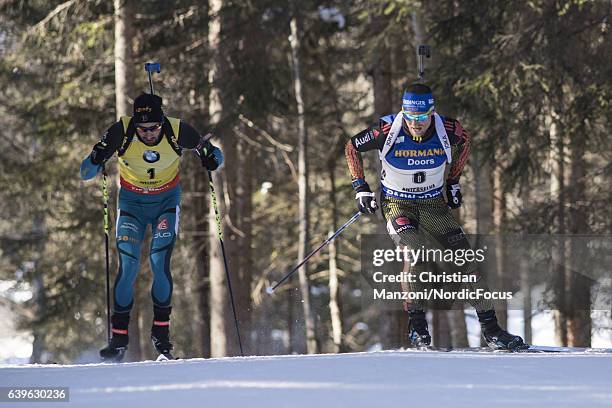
point(146, 129)
point(416, 117)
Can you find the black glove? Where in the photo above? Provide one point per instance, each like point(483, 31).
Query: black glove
point(98, 154)
point(211, 157)
point(366, 199)
point(453, 194)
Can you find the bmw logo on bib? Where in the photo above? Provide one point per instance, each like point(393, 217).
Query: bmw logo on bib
point(150, 156)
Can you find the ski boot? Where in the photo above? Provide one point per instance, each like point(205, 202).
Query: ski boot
point(496, 337)
point(160, 333)
point(115, 351)
point(418, 333)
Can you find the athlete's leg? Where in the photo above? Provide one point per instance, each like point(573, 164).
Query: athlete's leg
point(165, 230)
point(444, 232)
point(130, 233)
point(403, 228)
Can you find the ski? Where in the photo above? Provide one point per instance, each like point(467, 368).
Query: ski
point(553, 349)
point(166, 357)
point(113, 360)
point(530, 349)
point(113, 356)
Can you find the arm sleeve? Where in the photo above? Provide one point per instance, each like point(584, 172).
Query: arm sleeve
point(112, 140)
point(460, 147)
point(189, 138)
point(366, 140)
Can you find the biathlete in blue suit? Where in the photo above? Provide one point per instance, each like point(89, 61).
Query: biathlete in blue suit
point(149, 146)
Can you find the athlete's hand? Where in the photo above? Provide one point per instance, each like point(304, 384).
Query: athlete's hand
point(453, 194)
point(366, 199)
point(98, 154)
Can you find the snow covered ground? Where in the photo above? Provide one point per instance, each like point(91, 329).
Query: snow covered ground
point(377, 379)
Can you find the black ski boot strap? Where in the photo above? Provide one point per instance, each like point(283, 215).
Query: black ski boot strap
point(417, 321)
point(488, 322)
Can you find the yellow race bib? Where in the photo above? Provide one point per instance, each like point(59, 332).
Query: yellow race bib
point(150, 167)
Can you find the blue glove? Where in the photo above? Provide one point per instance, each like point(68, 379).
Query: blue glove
point(88, 169)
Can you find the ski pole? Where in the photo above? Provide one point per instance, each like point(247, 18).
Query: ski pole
point(227, 275)
point(106, 229)
point(271, 289)
point(152, 67)
point(213, 196)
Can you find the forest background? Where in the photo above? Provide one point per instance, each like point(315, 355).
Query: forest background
point(284, 85)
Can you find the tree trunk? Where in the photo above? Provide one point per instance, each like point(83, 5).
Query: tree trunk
point(124, 76)
point(525, 274)
point(242, 234)
point(124, 84)
point(39, 296)
point(196, 197)
point(558, 254)
point(393, 335)
point(458, 328)
point(334, 287)
point(218, 292)
point(311, 344)
point(201, 278)
point(499, 221)
point(441, 328)
point(484, 194)
point(456, 316)
point(579, 285)
point(526, 291)
point(484, 210)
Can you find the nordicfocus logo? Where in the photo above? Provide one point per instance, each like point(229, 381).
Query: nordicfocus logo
point(150, 156)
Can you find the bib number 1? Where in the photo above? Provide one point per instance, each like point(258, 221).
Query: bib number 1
point(151, 173)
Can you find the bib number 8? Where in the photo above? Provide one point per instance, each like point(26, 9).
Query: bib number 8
point(419, 177)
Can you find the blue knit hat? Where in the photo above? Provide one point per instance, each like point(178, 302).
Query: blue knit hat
point(418, 98)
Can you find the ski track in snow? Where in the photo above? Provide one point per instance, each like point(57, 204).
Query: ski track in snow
point(377, 379)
